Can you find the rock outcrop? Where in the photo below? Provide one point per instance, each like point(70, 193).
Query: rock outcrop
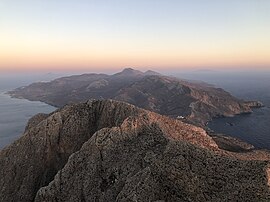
point(113, 151)
point(35, 120)
point(254, 104)
point(198, 102)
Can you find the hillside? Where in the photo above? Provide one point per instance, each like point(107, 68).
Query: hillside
point(196, 101)
point(113, 151)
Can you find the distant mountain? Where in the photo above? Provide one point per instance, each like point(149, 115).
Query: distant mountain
point(113, 151)
point(197, 102)
point(151, 73)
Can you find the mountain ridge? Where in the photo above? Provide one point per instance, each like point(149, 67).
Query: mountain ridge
point(108, 150)
point(197, 102)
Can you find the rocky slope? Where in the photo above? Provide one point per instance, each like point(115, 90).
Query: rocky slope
point(113, 151)
point(197, 102)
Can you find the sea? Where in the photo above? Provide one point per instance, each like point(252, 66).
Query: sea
point(14, 113)
point(253, 128)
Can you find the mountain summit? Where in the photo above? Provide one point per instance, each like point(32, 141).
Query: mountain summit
point(129, 72)
point(113, 151)
point(150, 72)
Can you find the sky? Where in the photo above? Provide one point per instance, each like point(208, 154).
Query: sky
point(144, 34)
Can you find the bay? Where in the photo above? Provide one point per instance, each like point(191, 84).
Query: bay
point(253, 128)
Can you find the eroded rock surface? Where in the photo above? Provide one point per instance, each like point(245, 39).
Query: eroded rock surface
point(113, 151)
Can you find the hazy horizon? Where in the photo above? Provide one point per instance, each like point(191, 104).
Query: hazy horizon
point(165, 71)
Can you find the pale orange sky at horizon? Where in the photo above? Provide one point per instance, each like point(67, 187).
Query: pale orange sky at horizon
point(43, 36)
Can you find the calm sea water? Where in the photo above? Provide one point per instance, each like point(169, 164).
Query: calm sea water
point(14, 113)
point(253, 128)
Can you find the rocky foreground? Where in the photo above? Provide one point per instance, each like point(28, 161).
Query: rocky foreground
point(197, 102)
point(113, 151)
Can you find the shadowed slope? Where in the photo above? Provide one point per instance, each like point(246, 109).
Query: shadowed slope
point(128, 154)
point(196, 101)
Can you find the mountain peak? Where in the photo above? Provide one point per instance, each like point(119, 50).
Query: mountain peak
point(130, 72)
point(134, 72)
point(119, 152)
point(151, 73)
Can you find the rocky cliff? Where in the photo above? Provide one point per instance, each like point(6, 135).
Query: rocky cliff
point(196, 101)
point(113, 151)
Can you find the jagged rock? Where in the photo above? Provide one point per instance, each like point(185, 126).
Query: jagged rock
point(231, 143)
point(123, 164)
point(254, 104)
point(113, 151)
point(35, 120)
point(32, 161)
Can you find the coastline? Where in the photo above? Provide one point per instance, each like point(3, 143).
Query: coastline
point(229, 141)
point(248, 127)
point(12, 95)
point(15, 114)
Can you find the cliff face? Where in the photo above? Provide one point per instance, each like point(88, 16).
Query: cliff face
point(197, 102)
point(113, 151)
point(33, 160)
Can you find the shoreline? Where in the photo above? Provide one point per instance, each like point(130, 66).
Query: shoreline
point(16, 114)
point(30, 100)
point(235, 123)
